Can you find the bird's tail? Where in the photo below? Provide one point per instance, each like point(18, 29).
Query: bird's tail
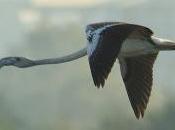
point(163, 44)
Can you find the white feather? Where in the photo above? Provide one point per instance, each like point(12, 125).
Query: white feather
point(95, 38)
point(134, 47)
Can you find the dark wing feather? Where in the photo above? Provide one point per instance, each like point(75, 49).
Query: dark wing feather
point(108, 48)
point(137, 76)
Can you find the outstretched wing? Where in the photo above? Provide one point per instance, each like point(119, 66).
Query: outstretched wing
point(105, 45)
point(137, 76)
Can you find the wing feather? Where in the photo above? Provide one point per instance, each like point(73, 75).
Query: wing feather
point(107, 47)
point(138, 80)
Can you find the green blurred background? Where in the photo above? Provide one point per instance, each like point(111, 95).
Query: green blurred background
point(63, 97)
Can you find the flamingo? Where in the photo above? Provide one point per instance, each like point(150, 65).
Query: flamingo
point(135, 47)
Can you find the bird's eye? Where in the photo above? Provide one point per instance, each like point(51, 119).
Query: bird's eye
point(17, 59)
point(90, 37)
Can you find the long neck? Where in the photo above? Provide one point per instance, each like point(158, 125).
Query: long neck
point(163, 44)
point(63, 59)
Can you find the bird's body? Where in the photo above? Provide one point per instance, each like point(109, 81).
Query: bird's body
point(133, 45)
point(134, 42)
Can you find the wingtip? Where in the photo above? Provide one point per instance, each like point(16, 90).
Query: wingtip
point(99, 85)
point(139, 113)
point(142, 113)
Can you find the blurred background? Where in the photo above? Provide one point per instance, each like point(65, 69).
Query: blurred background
point(63, 97)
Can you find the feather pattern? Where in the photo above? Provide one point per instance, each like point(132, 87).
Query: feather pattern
point(137, 76)
point(105, 47)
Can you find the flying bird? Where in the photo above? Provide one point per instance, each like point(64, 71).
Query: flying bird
point(133, 45)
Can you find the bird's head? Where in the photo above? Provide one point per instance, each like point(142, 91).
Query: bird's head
point(97, 28)
point(19, 62)
point(89, 33)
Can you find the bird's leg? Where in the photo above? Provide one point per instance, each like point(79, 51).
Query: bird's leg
point(22, 62)
point(19, 62)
